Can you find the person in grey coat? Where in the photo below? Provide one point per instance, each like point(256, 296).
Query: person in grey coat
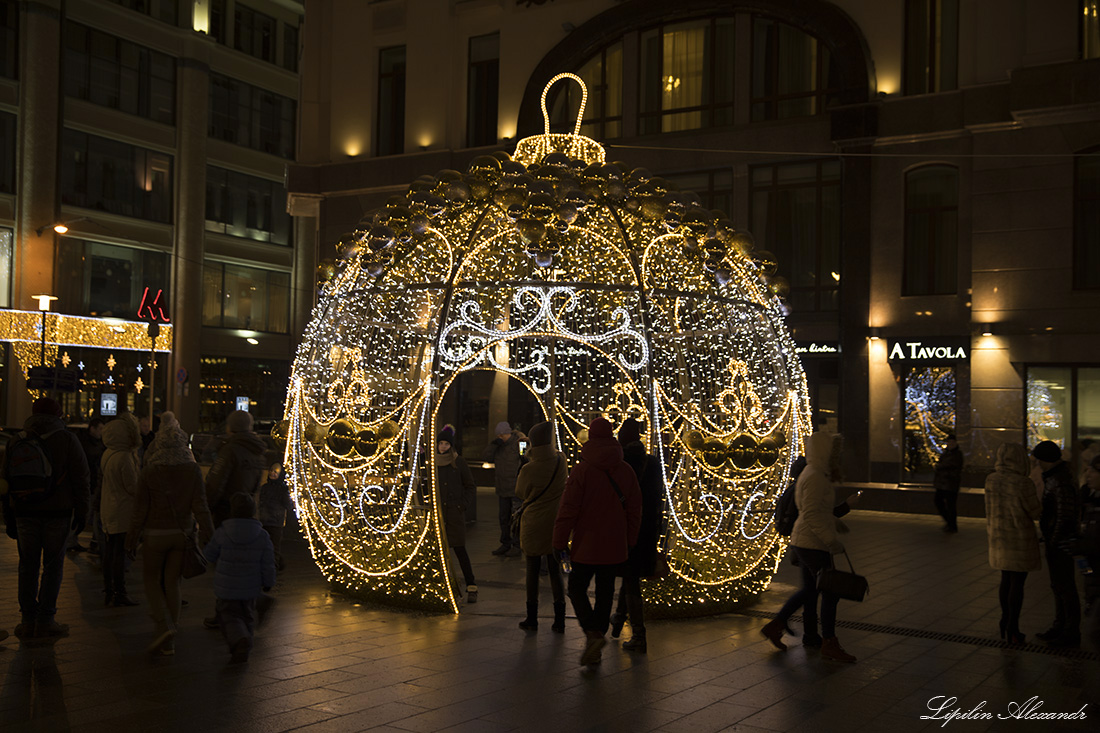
point(245, 570)
point(1011, 510)
point(504, 453)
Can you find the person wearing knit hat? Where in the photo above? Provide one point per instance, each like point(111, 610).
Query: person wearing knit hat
point(504, 453)
point(454, 483)
point(540, 486)
point(170, 499)
point(597, 523)
point(1058, 523)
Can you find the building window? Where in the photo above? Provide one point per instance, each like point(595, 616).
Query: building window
point(5, 267)
point(9, 40)
point(235, 296)
point(290, 47)
point(218, 20)
point(108, 280)
point(482, 90)
point(9, 126)
point(391, 101)
point(162, 10)
point(687, 76)
point(254, 33)
point(603, 113)
point(931, 230)
point(107, 175)
point(225, 378)
point(930, 414)
point(1086, 221)
point(792, 73)
point(796, 215)
point(714, 187)
point(1063, 405)
point(246, 206)
point(931, 46)
point(250, 116)
point(115, 73)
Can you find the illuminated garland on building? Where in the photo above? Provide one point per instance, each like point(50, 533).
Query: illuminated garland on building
point(605, 292)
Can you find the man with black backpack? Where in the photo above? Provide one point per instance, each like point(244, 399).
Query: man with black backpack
point(46, 477)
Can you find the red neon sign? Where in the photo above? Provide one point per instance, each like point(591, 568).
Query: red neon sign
point(156, 302)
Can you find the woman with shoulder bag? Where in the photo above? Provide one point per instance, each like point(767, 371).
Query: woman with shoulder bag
point(170, 498)
point(539, 486)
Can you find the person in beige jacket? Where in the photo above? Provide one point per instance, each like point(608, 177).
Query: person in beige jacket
point(815, 541)
point(540, 485)
point(1011, 510)
point(119, 476)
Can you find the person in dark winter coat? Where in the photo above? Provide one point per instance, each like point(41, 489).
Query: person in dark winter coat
point(643, 555)
point(275, 502)
point(240, 465)
point(602, 510)
point(120, 481)
point(1058, 523)
point(42, 528)
point(454, 483)
point(170, 498)
point(504, 454)
point(91, 440)
point(540, 486)
point(245, 570)
point(1090, 548)
point(946, 481)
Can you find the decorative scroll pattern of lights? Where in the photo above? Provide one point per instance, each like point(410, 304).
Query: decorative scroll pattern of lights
point(929, 414)
point(606, 292)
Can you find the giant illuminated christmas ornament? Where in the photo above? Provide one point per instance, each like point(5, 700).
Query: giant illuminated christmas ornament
point(605, 292)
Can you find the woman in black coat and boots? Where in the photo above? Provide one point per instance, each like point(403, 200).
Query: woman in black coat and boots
point(643, 556)
point(454, 481)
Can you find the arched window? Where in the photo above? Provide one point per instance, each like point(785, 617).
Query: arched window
point(687, 77)
point(1086, 221)
point(931, 230)
point(792, 73)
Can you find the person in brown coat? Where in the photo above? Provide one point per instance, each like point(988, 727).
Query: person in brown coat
point(539, 486)
point(170, 498)
point(1011, 510)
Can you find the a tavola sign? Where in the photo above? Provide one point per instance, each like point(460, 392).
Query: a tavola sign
point(931, 351)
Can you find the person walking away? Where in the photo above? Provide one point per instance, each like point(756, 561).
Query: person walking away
point(643, 555)
point(1089, 548)
point(275, 502)
point(815, 540)
point(45, 495)
point(170, 498)
point(453, 482)
point(239, 467)
point(119, 467)
point(91, 441)
point(244, 571)
point(946, 482)
point(1058, 521)
point(1011, 510)
point(601, 509)
point(539, 486)
point(504, 453)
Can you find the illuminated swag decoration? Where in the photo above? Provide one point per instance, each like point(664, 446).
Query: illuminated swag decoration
point(605, 292)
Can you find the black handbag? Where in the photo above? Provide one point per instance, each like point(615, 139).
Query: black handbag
point(846, 585)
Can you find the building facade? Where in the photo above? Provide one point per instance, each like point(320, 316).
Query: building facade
point(925, 172)
point(157, 133)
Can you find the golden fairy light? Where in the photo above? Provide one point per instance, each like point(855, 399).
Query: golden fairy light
point(606, 292)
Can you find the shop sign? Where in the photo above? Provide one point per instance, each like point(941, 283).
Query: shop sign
point(108, 405)
point(815, 348)
point(928, 351)
point(242, 403)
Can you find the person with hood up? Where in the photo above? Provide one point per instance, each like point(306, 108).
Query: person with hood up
point(41, 528)
point(1011, 510)
point(540, 486)
point(119, 477)
point(1058, 521)
point(643, 555)
point(275, 502)
point(815, 541)
point(170, 498)
point(601, 509)
point(245, 570)
point(454, 482)
point(504, 454)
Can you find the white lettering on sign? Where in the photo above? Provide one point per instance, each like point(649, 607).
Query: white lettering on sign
point(917, 350)
point(816, 349)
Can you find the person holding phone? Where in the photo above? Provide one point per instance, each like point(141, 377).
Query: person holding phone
point(504, 453)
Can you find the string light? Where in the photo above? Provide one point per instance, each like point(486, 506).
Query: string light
point(605, 292)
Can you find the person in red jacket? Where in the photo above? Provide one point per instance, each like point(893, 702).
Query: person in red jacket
point(602, 510)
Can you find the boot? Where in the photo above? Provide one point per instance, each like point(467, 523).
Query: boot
point(592, 648)
point(773, 632)
point(531, 623)
point(617, 621)
point(636, 643)
point(831, 649)
point(559, 618)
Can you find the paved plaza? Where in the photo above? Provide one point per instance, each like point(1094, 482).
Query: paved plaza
point(324, 662)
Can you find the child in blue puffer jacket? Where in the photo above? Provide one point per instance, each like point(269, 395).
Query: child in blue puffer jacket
point(245, 569)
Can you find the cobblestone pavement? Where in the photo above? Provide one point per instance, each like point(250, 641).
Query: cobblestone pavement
point(324, 662)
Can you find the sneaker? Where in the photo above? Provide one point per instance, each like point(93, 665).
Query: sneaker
point(831, 649)
point(502, 549)
point(212, 622)
point(471, 594)
point(593, 648)
point(239, 651)
point(44, 629)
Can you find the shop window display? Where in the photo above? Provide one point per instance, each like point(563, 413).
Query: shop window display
point(930, 400)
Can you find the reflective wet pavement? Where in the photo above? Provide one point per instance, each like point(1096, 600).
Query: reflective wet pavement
point(325, 663)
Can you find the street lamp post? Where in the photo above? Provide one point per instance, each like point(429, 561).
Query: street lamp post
point(154, 332)
point(44, 306)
